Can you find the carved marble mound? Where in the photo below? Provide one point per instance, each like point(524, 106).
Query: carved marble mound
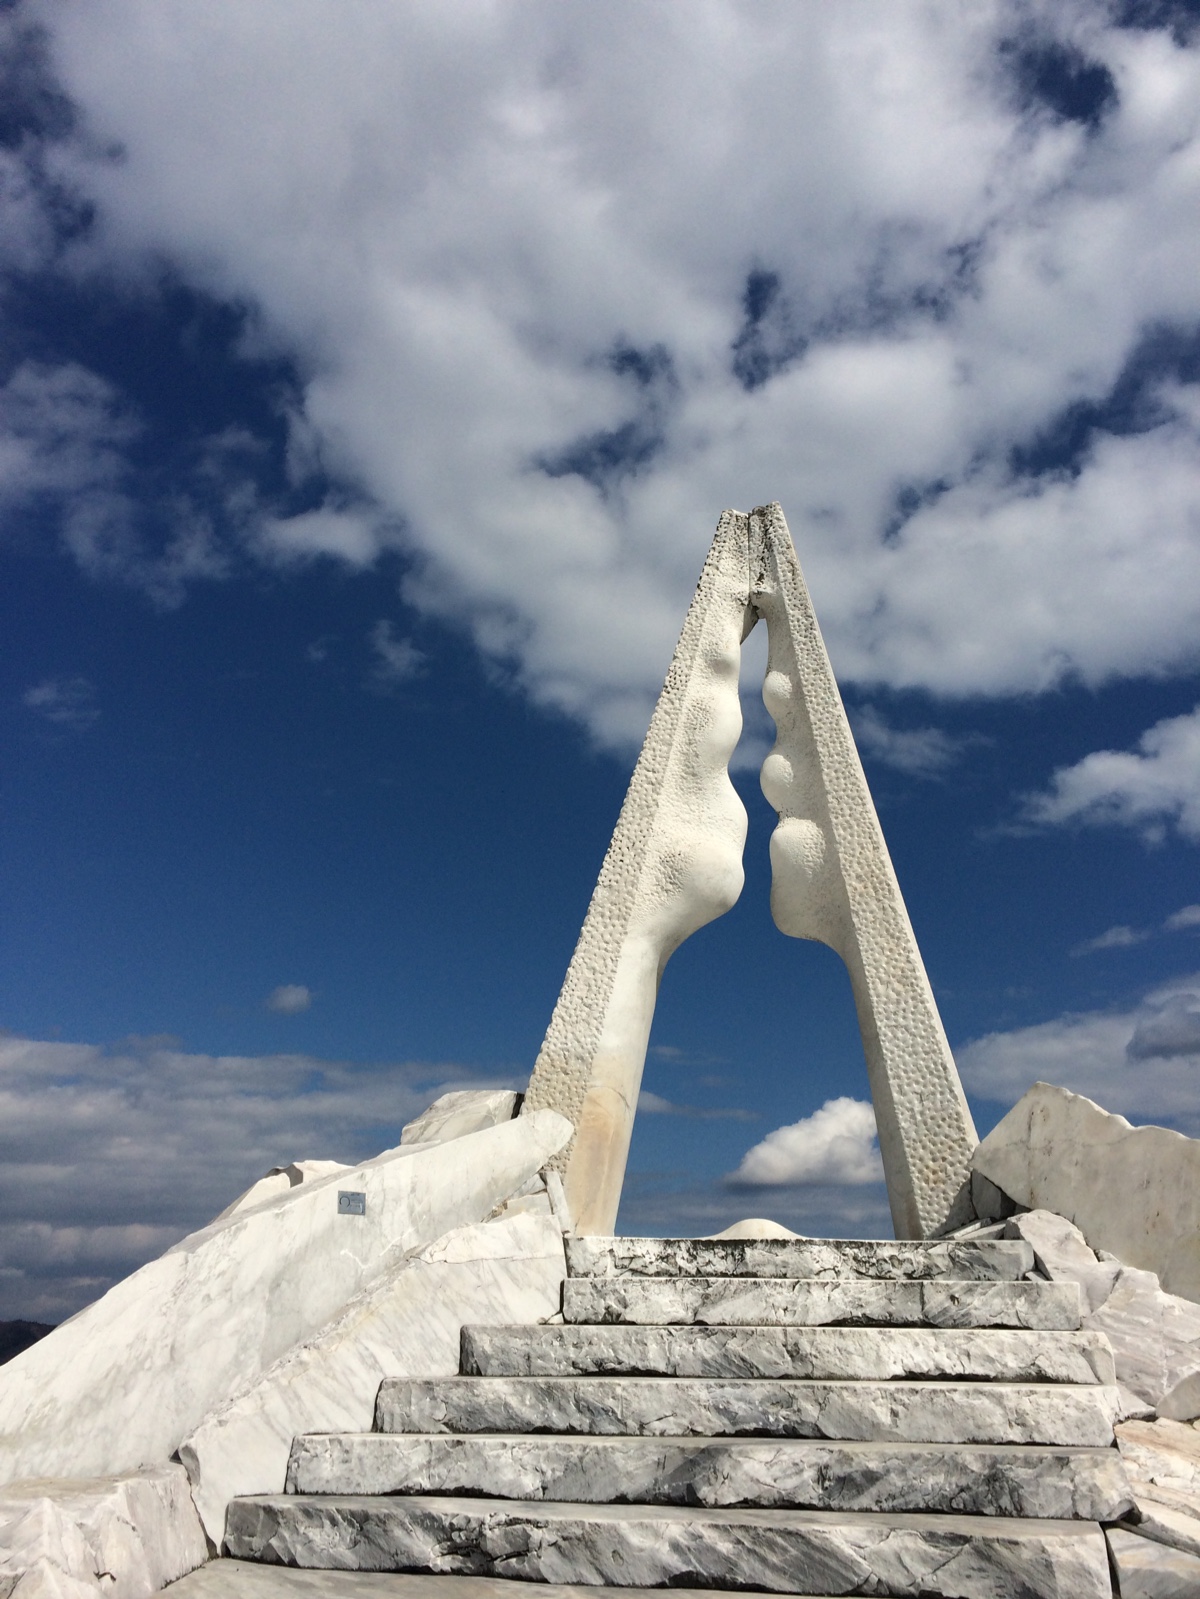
point(1133, 1191)
point(121, 1384)
point(675, 863)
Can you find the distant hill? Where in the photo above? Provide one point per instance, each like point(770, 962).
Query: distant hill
point(18, 1335)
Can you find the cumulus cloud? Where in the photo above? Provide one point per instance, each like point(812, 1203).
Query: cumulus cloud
point(1143, 1062)
point(290, 998)
point(1112, 938)
point(64, 702)
point(555, 301)
point(1151, 789)
point(107, 1156)
point(1183, 920)
point(836, 1144)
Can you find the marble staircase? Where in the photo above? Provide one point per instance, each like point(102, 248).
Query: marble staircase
point(792, 1416)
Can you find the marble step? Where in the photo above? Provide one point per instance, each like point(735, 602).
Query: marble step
point(803, 1302)
point(972, 1479)
point(779, 1551)
point(247, 1579)
point(822, 1352)
point(971, 1412)
point(823, 1258)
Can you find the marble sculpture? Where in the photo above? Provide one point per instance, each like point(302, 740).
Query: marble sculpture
point(675, 863)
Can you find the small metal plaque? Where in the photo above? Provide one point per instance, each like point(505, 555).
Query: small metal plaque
point(351, 1204)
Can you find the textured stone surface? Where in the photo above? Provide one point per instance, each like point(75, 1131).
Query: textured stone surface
point(617, 1545)
point(832, 880)
point(1163, 1523)
point(243, 1579)
point(760, 1301)
point(785, 1407)
point(1133, 1191)
point(675, 862)
point(1084, 1484)
point(406, 1324)
point(800, 1257)
point(122, 1383)
point(821, 1352)
point(1149, 1570)
point(1164, 1452)
point(125, 1536)
point(1155, 1336)
point(466, 1110)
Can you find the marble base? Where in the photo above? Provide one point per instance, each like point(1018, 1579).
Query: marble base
point(806, 1552)
point(798, 1257)
point(817, 1352)
point(761, 1301)
point(782, 1408)
point(979, 1480)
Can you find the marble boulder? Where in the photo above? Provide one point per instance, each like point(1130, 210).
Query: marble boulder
point(125, 1536)
point(1155, 1336)
point(122, 1383)
point(465, 1110)
point(1133, 1192)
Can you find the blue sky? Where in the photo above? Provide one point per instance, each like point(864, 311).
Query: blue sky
point(371, 381)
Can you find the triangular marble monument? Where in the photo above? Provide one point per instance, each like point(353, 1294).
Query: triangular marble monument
point(675, 863)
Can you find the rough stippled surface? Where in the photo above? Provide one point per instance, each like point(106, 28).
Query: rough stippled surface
point(807, 1552)
point(674, 863)
point(775, 1301)
point(819, 1352)
point(821, 1258)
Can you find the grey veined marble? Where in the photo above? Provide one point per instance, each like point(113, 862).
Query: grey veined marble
point(782, 1408)
point(243, 1579)
point(780, 1551)
point(996, 1261)
point(819, 1352)
point(767, 1301)
point(1062, 1484)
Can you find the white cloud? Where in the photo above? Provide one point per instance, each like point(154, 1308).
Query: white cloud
point(1143, 1062)
point(502, 241)
point(651, 1104)
point(1184, 919)
point(1112, 938)
point(108, 1156)
point(1151, 789)
point(397, 660)
point(836, 1144)
point(917, 751)
point(290, 998)
point(66, 702)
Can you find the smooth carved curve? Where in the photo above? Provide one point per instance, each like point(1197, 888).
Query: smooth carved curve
point(675, 863)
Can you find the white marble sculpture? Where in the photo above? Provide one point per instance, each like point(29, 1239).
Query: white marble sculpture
point(675, 863)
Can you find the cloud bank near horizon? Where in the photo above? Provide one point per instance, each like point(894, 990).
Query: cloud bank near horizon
point(550, 303)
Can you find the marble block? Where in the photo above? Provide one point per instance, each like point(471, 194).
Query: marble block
point(465, 1110)
point(1164, 1453)
point(1149, 1570)
point(122, 1383)
point(407, 1324)
point(814, 1258)
point(242, 1579)
point(125, 1536)
point(829, 1353)
point(924, 1412)
point(1132, 1191)
point(778, 1301)
point(971, 1479)
point(780, 1551)
point(1165, 1524)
